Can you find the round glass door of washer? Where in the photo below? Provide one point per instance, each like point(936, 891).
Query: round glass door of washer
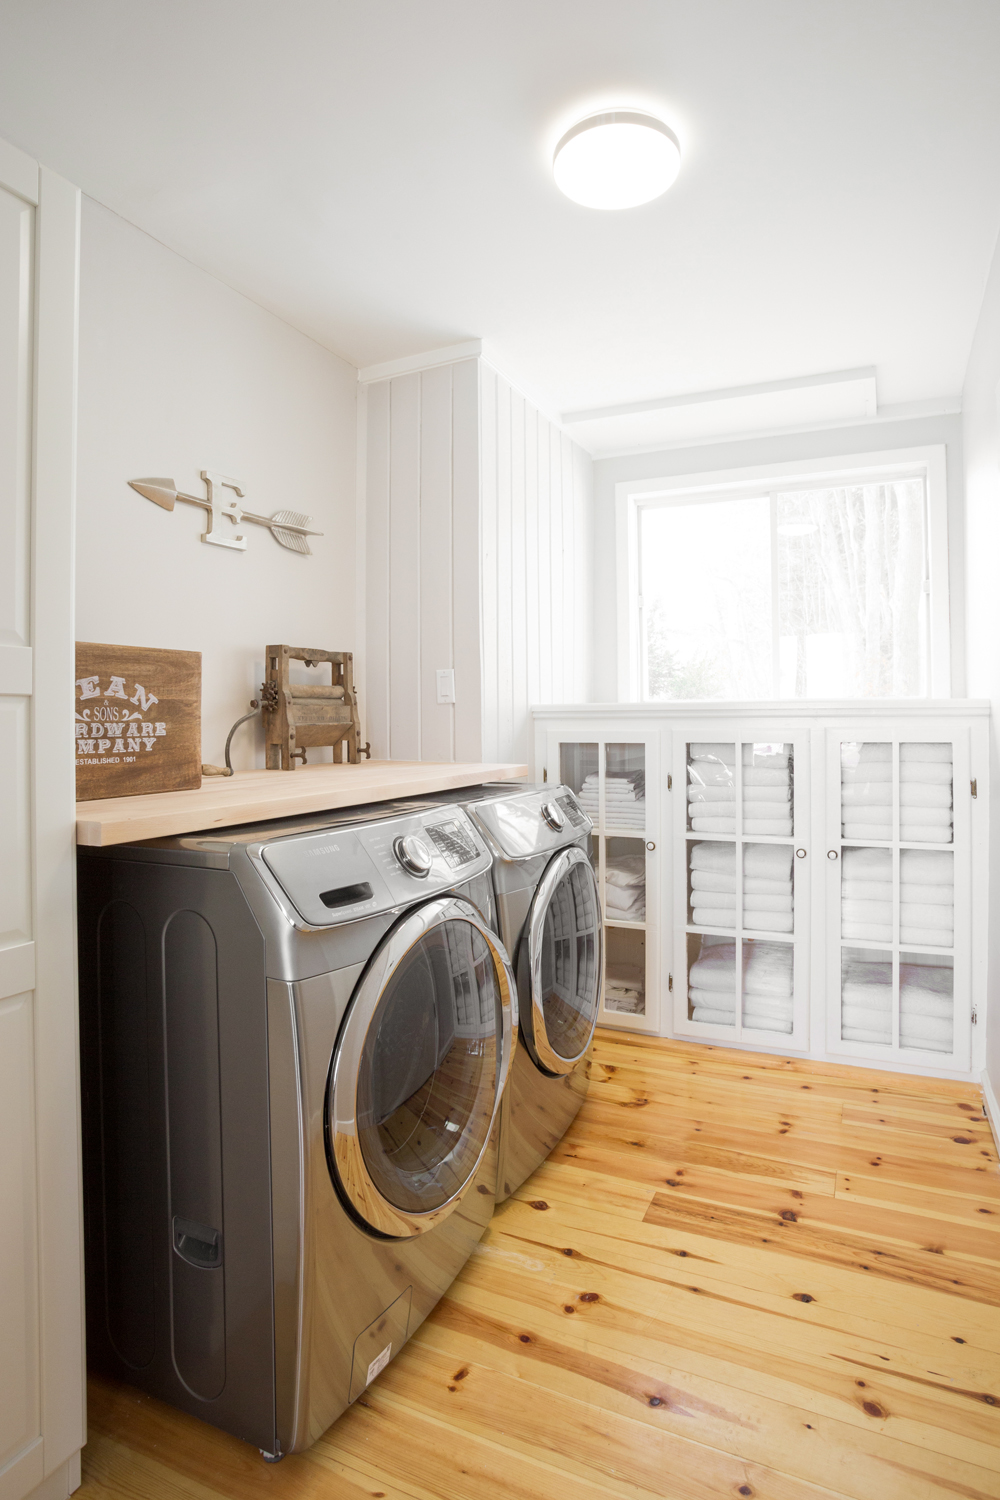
point(561, 962)
point(420, 1068)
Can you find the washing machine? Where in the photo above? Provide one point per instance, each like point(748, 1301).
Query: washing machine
point(549, 919)
point(296, 1038)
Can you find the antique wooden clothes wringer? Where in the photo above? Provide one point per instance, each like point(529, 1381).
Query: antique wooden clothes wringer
point(298, 717)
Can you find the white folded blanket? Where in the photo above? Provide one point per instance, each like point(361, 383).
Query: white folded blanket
point(712, 880)
point(759, 885)
point(717, 857)
point(927, 937)
point(926, 867)
point(867, 932)
point(920, 794)
point(917, 1002)
point(935, 751)
point(766, 1023)
point(867, 864)
point(924, 833)
point(866, 911)
point(866, 890)
point(711, 773)
point(767, 861)
point(779, 1006)
point(701, 750)
point(926, 774)
point(623, 897)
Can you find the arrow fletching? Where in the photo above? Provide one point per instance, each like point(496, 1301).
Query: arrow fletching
point(291, 539)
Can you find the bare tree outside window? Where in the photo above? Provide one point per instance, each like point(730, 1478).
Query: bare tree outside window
point(809, 593)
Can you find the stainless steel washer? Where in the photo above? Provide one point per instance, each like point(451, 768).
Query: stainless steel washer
point(296, 1038)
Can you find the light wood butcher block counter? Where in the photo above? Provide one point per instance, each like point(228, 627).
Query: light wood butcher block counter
point(251, 796)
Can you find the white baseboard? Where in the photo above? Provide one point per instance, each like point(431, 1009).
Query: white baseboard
point(61, 1483)
point(992, 1108)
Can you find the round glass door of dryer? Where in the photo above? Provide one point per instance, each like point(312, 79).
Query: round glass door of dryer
point(560, 963)
point(420, 1067)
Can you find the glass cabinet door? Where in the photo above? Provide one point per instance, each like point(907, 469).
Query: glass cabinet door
point(741, 826)
point(615, 782)
point(898, 900)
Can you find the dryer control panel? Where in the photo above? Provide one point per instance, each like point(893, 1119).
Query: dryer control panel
point(534, 822)
point(341, 874)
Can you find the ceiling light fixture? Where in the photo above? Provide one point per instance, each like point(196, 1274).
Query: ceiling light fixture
point(616, 160)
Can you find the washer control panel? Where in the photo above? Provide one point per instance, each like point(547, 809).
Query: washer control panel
point(342, 874)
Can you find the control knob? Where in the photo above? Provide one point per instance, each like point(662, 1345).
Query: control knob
point(552, 814)
point(413, 854)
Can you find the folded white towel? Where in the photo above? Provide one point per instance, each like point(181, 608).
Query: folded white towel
point(920, 794)
point(926, 867)
point(626, 869)
point(759, 885)
point(713, 916)
point(924, 833)
point(867, 864)
point(939, 817)
point(718, 857)
point(917, 1002)
point(866, 911)
point(860, 1015)
point(766, 903)
point(869, 813)
point(867, 932)
point(766, 1023)
point(873, 997)
point(765, 828)
point(927, 774)
point(768, 969)
point(927, 937)
point(701, 750)
point(863, 1034)
point(754, 809)
point(711, 773)
point(713, 825)
point(926, 1044)
point(711, 793)
point(723, 900)
point(866, 970)
point(915, 1030)
point(872, 831)
point(767, 1005)
point(866, 890)
point(713, 1017)
point(623, 897)
point(869, 794)
point(720, 808)
point(715, 967)
point(930, 895)
point(712, 880)
point(770, 861)
point(925, 914)
point(866, 775)
point(935, 751)
point(869, 753)
point(774, 757)
point(715, 999)
point(766, 776)
point(759, 794)
point(768, 921)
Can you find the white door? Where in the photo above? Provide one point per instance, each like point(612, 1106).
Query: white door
point(617, 780)
point(742, 858)
point(898, 898)
point(41, 1375)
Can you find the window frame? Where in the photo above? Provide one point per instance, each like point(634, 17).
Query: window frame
point(634, 495)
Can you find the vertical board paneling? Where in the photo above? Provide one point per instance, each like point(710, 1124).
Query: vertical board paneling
point(489, 521)
point(505, 657)
point(544, 538)
point(558, 561)
point(531, 557)
point(436, 599)
point(404, 571)
point(16, 221)
point(518, 743)
point(377, 580)
point(571, 571)
point(19, 1413)
point(466, 562)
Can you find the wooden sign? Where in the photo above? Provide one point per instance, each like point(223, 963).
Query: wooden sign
point(138, 720)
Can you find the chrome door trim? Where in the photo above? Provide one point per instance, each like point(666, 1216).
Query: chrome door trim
point(529, 963)
point(347, 1157)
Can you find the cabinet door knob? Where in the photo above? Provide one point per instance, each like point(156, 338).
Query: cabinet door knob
point(800, 854)
point(832, 854)
point(650, 845)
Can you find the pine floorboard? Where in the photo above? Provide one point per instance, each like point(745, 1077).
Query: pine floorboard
point(738, 1275)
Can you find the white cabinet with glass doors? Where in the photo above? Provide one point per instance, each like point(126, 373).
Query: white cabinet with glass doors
point(616, 779)
point(810, 881)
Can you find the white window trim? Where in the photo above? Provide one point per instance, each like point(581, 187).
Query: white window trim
point(631, 495)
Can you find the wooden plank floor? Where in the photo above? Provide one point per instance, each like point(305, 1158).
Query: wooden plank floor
point(737, 1276)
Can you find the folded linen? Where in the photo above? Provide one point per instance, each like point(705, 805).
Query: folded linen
point(759, 885)
point(716, 999)
point(867, 775)
point(867, 932)
point(867, 864)
point(872, 997)
point(933, 751)
point(864, 1034)
point(766, 776)
point(718, 857)
point(860, 1015)
point(924, 794)
point(874, 831)
point(766, 902)
point(766, 793)
point(767, 1023)
point(940, 773)
point(711, 773)
point(866, 970)
point(868, 753)
point(866, 890)
point(754, 809)
point(917, 1002)
point(927, 895)
point(926, 1044)
point(866, 911)
point(758, 756)
point(919, 914)
point(768, 1005)
point(713, 825)
point(768, 921)
point(701, 750)
point(626, 870)
point(753, 885)
point(915, 1031)
point(930, 816)
point(713, 1017)
point(768, 969)
point(871, 794)
point(926, 867)
point(924, 833)
point(927, 937)
point(714, 916)
point(720, 899)
point(624, 898)
point(711, 793)
point(770, 861)
point(715, 967)
point(712, 880)
point(870, 813)
point(765, 828)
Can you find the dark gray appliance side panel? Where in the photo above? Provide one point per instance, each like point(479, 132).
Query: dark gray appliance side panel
point(225, 955)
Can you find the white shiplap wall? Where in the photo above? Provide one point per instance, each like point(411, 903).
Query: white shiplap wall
point(478, 557)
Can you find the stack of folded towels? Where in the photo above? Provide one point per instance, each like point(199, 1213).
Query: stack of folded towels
point(925, 798)
point(766, 984)
point(624, 990)
point(767, 789)
point(624, 798)
point(926, 896)
point(926, 1004)
point(625, 887)
point(766, 886)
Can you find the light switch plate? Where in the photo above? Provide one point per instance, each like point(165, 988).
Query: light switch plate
point(446, 684)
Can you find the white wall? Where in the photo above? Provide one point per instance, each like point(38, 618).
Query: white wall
point(870, 438)
point(179, 373)
point(478, 556)
point(981, 425)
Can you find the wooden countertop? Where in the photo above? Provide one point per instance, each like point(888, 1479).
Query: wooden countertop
point(251, 796)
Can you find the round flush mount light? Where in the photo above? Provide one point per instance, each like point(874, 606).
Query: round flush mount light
point(618, 159)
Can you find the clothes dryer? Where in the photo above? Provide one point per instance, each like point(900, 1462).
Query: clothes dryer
point(295, 1038)
point(549, 919)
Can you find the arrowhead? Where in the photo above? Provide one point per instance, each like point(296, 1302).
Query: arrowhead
point(160, 491)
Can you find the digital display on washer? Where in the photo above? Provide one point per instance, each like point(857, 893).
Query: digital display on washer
point(453, 841)
point(571, 810)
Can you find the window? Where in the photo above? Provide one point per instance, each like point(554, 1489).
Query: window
point(796, 585)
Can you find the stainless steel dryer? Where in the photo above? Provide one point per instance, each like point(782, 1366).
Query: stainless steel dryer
point(296, 1038)
point(549, 919)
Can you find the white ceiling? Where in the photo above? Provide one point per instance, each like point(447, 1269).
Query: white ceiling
point(377, 172)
